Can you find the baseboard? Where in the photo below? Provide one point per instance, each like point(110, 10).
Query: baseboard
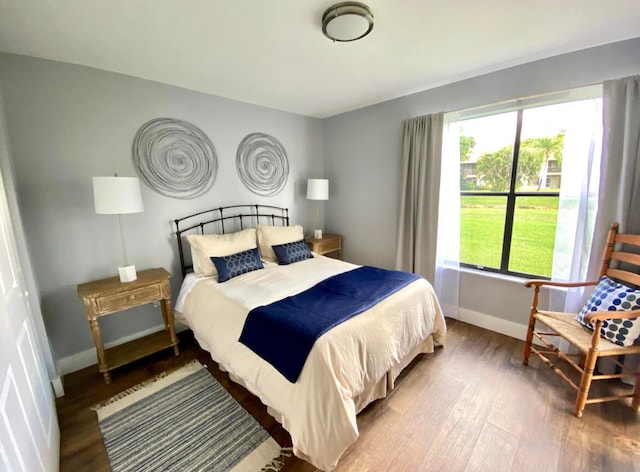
point(492, 323)
point(56, 384)
point(89, 357)
point(86, 358)
point(83, 359)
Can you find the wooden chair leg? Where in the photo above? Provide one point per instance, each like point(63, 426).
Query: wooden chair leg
point(527, 345)
point(532, 325)
point(585, 382)
point(635, 402)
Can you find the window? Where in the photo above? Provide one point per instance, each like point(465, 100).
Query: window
point(511, 181)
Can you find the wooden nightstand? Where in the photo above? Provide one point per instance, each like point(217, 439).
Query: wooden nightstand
point(106, 296)
point(327, 244)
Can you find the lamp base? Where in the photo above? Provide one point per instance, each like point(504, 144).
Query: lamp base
point(317, 234)
point(127, 273)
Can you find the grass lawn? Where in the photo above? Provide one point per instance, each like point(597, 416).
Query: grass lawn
point(482, 227)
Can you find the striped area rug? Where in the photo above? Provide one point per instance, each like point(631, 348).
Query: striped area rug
point(184, 421)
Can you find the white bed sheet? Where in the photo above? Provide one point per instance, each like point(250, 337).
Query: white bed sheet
point(319, 409)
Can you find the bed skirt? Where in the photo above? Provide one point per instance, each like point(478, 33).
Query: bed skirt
point(373, 391)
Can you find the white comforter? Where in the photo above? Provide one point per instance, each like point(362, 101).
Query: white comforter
point(319, 409)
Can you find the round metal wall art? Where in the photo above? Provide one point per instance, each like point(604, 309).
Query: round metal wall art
point(175, 158)
point(262, 164)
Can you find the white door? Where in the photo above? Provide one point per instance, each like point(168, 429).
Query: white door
point(29, 434)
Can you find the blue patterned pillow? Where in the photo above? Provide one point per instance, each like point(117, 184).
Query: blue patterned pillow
point(237, 264)
point(613, 296)
point(292, 252)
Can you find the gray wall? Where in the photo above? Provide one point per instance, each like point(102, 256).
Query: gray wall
point(33, 299)
point(362, 160)
point(68, 123)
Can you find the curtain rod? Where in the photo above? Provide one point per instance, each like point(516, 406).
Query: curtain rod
point(583, 92)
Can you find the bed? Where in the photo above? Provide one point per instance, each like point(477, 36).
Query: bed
point(348, 367)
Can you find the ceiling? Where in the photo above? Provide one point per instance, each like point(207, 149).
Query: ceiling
point(273, 53)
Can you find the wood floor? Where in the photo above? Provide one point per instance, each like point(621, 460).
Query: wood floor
point(471, 406)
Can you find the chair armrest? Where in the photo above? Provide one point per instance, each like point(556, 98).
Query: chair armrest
point(537, 283)
point(540, 282)
point(594, 316)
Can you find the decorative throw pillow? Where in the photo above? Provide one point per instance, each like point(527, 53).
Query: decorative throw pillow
point(203, 246)
point(269, 236)
point(289, 253)
point(613, 296)
point(237, 264)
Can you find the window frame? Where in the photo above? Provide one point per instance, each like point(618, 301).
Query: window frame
point(511, 196)
point(587, 92)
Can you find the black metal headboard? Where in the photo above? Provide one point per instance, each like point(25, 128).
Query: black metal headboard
point(227, 219)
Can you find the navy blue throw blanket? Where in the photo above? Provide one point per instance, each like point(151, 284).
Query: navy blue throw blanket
point(283, 332)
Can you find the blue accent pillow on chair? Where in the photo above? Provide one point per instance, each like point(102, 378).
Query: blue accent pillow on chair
point(292, 252)
point(613, 296)
point(237, 264)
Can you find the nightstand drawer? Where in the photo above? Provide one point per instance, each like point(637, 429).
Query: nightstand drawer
point(328, 246)
point(128, 299)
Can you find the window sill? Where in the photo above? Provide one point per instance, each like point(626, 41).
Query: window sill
point(504, 277)
point(494, 275)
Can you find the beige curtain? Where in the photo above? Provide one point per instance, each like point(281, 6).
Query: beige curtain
point(620, 172)
point(421, 168)
point(619, 197)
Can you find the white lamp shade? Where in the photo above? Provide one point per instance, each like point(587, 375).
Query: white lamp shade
point(317, 189)
point(117, 195)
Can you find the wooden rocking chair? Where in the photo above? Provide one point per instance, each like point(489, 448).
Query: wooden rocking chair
point(590, 343)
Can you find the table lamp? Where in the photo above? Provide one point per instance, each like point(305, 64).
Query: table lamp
point(119, 196)
point(317, 189)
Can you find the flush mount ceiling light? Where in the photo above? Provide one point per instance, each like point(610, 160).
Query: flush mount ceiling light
point(347, 21)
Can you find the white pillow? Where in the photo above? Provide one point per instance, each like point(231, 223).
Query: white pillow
point(203, 246)
point(272, 235)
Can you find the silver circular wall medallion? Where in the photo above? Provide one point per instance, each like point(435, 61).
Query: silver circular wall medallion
point(262, 164)
point(175, 158)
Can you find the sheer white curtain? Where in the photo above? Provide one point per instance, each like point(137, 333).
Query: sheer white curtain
point(578, 203)
point(613, 184)
point(447, 275)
